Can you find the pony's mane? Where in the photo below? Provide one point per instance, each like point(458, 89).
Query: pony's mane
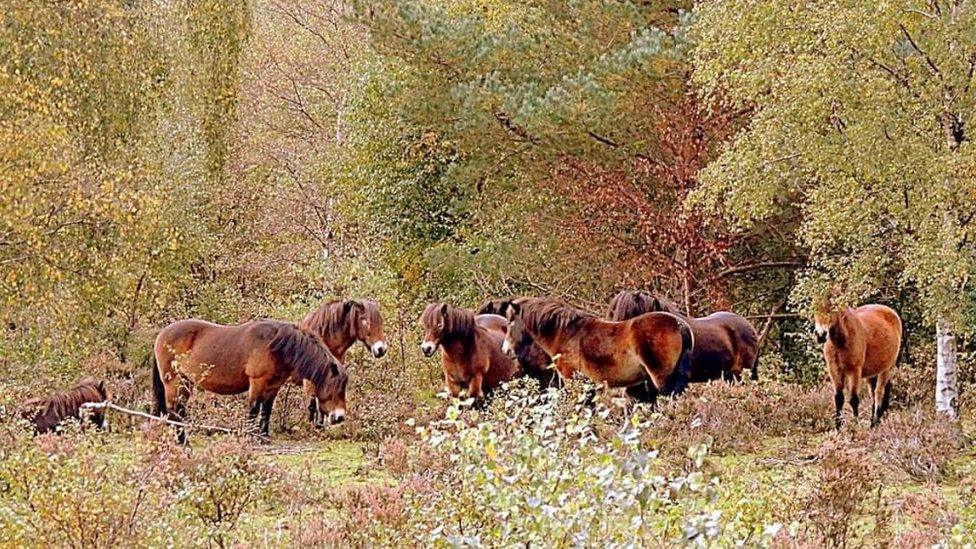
point(458, 322)
point(546, 316)
point(630, 303)
point(303, 350)
point(333, 316)
point(493, 307)
point(67, 404)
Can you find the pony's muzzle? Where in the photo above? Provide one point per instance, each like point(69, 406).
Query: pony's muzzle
point(428, 348)
point(821, 335)
point(379, 349)
point(508, 349)
point(337, 416)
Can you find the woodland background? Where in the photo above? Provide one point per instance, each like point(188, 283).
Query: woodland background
point(224, 159)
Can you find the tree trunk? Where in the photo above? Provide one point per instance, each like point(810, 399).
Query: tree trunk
point(946, 391)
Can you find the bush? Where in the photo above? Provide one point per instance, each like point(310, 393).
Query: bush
point(738, 417)
point(538, 468)
point(917, 442)
point(76, 490)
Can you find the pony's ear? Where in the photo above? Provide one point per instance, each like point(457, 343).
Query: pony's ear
point(101, 388)
point(443, 309)
point(656, 304)
point(347, 306)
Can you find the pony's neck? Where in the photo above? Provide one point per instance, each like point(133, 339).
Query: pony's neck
point(339, 342)
point(459, 346)
point(839, 333)
point(339, 338)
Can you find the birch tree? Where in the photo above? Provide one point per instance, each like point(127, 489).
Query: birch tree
point(862, 117)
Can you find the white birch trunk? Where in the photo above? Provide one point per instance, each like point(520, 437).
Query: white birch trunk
point(946, 391)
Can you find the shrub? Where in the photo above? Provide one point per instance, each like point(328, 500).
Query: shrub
point(81, 490)
point(917, 442)
point(537, 468)
point(740, 416)
point(846, 491)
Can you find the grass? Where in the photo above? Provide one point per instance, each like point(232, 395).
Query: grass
point(333, 462)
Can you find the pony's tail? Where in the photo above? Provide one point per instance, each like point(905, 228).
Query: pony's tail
point(684, 359)
point(159, 392)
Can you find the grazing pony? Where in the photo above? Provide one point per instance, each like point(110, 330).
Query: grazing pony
point(48, 412)
point(533, 360)
point(471, 348)
point(725, 343)
point(341, 323)
point(654, 346)
point(257, 357)
point(858, 344)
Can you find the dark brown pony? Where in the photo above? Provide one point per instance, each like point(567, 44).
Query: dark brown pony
point(471, 348)
point(858, 344)
point(257, 357)
point(48, 412)
point(533, 360)
point(653, 346)
point(341, 323)
point(725, 343)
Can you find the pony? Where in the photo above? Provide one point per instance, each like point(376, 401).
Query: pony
point(257, 357)
point(471, 349)
point(725, 343)
point(533, 360)
point(861, 343)
point(48, 412)
point(341, 323)
point(652, 346)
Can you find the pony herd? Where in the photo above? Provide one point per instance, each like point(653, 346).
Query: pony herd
point(644, 345)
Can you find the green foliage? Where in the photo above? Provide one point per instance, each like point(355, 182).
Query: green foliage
point(862, 119)
point(545, 470)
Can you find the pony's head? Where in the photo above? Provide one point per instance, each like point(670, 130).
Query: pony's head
point(331, 395)
point(827, 314)
point(516, 339)
point(367, 325)
point(442, 322)
point(630, 303)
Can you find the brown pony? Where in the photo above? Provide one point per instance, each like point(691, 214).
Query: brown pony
point(858, 344)
point(725, 343)
point(533, 360)
point(653, 346)
point(341, 323)
point(471, 354)
point(48, 412)
point(257, 357)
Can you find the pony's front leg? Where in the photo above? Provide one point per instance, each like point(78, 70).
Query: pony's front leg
point(475, 390)
point(266, 405)
point(855, 399)
point(255, 399)
point(838, 407)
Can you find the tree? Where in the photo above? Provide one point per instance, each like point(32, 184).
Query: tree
point(575, 141)
point(863, 117)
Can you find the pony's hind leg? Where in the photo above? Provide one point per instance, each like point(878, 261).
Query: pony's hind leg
point(882, 396)
point(177, 392)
